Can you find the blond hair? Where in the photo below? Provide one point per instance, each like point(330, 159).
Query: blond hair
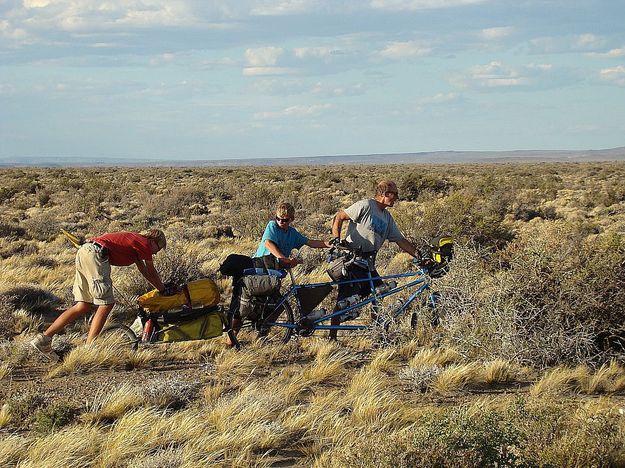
point(157, 236)
point(285, 210)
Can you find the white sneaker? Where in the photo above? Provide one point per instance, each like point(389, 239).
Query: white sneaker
point(43, 344)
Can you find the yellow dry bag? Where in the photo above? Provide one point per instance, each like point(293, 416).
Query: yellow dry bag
point(203, 292)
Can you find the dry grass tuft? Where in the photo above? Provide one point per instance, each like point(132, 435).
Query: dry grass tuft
point(109, 406)
point(385, 361)
point(107, 352)
point(560, 379)
point(609, 378)
point(500, 371)
point(327, 367)
point(213, 392)
point(5, 370)
point(456, 377)
point(13, 449)
point(429, 357)
point(72, 447)
point(5, 415)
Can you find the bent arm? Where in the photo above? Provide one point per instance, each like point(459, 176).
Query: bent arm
point(147, 269)
point(337, 224)
point(318, 244)
point(407, 247)
point(273, 248)
point(276, 252)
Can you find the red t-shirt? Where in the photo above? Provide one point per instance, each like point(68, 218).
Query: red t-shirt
point(125, 248)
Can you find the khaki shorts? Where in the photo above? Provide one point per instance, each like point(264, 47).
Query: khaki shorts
point(92, 283)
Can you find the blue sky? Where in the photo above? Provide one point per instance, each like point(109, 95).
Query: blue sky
point(174, 79)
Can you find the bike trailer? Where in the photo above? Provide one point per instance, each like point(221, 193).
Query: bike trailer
point(198, 324)
point(203, 292)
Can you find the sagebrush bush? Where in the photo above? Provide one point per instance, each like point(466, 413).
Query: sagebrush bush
point(557, 291)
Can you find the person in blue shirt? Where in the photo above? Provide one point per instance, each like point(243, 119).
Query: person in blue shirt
point(280, 238)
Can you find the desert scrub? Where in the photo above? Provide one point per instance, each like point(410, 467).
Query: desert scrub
point(546, 302)
point(20, 408)
point(508, 432)
point(53, 417)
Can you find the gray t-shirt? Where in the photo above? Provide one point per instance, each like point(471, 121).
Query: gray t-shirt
point(370, 226)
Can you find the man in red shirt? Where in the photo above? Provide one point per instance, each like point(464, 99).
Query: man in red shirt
point(92, 284)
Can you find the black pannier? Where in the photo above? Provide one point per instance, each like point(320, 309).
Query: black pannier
point(235, 264)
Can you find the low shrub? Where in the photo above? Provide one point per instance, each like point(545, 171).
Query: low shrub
point(53, 417)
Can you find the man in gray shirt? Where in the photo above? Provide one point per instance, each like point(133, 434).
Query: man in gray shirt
point(370, 224)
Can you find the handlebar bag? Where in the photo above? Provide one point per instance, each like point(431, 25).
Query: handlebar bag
point(442, 249)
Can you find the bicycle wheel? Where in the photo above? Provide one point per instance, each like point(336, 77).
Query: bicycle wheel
point(120, 335)
point(277, 326)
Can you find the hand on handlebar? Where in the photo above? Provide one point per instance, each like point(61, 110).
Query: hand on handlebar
point(290, 262)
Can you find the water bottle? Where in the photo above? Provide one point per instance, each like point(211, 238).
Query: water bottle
point(147, 331)
point(349, 301)
point(317, 313)
point(386, 287)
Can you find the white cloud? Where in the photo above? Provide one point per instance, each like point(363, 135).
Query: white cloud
point(572, 43)
point(36, 3)
point(163, 59)
point(298, 111)
point(283, 7)
point(402, 50)
point(420, 4)
point(314, 52)
point(9, 31)
point(612, 53)
point(494, 34)
point(614, 75)
point(263, 56)
point(267, 71)
point(496, 75)
point(440, 98)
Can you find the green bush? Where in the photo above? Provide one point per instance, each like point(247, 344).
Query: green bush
point(53, 417)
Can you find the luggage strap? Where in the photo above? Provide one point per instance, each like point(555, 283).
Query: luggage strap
point(185, 290)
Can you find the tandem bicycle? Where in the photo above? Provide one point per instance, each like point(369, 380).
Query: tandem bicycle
point(279, 317)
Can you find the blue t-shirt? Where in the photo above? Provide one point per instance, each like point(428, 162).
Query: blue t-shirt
point(285, 240)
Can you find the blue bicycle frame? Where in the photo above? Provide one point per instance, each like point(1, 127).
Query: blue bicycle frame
point(421, 283)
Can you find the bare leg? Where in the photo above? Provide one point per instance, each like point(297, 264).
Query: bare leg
point(236, 326)
point(71, 314)
point(99, 318)
point(334, 321)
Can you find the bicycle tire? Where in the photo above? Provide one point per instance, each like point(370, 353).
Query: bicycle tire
point(125, 335)
point(277, 334)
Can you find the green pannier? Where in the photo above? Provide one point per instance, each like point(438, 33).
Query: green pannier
point(208, 325)
point(258, 293)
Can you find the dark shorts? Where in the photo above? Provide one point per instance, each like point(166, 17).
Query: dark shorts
point(361, 288)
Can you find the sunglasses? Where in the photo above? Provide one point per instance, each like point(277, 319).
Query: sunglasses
point(395, 194)
point(283, 220)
